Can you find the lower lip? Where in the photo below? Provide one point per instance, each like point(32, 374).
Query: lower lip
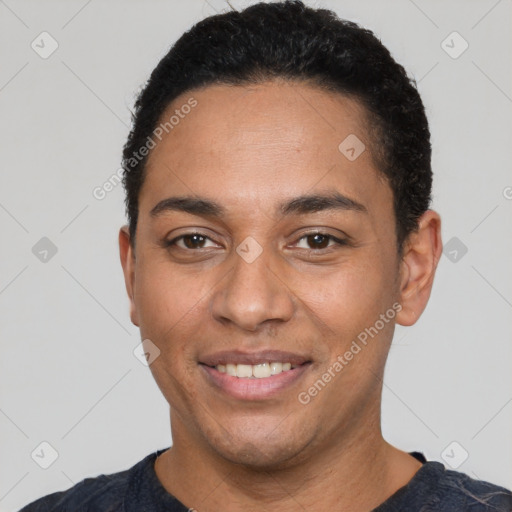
point(254, 389)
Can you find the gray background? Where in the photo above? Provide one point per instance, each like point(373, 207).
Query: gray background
point(68, 375)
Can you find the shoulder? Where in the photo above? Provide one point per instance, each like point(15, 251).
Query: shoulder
point(104, 493)
point(448, 490)
point(101, 493)
point(476, 495)
point(436, 489)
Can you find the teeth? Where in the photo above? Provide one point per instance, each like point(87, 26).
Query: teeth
point(257, 371)
point(243, 370)
point(276, 368)
point(260, 371)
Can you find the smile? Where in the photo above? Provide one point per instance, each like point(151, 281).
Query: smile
point(253, 376)
point(255, 371)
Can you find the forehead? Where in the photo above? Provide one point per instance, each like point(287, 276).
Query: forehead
point(246, 144)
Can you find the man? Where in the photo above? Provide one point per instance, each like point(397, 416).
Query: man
point(278, 187)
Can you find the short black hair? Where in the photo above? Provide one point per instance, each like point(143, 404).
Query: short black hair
point(288, 40)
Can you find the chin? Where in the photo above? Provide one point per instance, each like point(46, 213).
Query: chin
point(250, 456)
point(262, 449)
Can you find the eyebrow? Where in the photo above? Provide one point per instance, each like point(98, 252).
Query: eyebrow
point(301, 205)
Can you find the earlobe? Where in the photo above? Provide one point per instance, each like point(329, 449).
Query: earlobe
point(422, 252)
point(127, 257)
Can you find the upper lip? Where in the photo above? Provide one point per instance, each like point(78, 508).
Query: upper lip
point(259, 357)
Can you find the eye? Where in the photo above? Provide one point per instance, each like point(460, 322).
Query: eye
point(320, 241)
point(312, 241)
point(190, 241)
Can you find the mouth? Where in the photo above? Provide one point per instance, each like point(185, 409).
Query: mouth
point(255, 371)
point(253, 376)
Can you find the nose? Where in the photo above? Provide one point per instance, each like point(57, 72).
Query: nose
point(252, 293)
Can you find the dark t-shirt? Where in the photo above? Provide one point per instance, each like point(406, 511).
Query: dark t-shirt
point(432, 488)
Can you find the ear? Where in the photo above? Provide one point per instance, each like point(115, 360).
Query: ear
point(421, 254)
point(127, 256)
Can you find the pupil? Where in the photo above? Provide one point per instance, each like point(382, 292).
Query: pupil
point(318, 239)
point(192, 240)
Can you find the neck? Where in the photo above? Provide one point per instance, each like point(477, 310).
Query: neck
point(357, 472)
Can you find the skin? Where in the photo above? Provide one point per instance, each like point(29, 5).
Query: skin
point(249, 149)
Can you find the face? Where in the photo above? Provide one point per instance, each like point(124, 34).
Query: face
point(256, 275)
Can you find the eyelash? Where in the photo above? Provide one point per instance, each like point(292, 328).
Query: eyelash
point(338, 241)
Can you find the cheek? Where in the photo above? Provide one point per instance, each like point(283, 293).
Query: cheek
point(169, 305)
point(170, 308)
point(348, 298)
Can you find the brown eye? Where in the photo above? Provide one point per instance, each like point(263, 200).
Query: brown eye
point(319, 241)
point(191, 241)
